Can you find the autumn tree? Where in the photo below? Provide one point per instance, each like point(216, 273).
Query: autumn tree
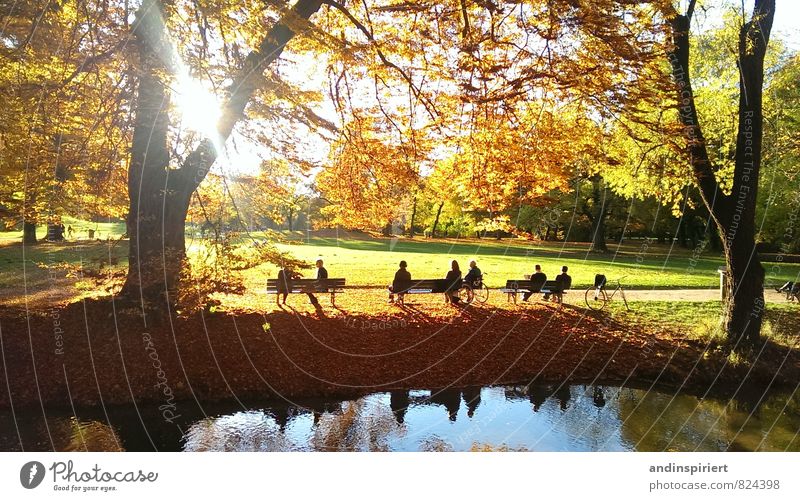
point(63, 124)
point(370, 179)
point(160, 191)
point(733, 212)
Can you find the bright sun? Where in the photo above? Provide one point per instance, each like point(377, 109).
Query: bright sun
point(198, 107)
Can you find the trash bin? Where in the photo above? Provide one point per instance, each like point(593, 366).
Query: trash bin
point(723, 282)
point(91, 234)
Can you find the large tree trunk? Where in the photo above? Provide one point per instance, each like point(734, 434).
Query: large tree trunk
point(733, 214)
point(436, 220)
point(159, 197)
point(290, 219)
point(160, 193)
point(29, 232)
point(598, 216)
point(599, 235)
point(682, 239)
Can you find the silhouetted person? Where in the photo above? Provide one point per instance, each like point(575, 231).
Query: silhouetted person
point(402, 279)
point(537, 282)
point(285, 276)
point(537, 394)
point(450, 399)
point(598, 398)
point(399, 402)
point(453, 282)
point(322, 276)
point(473, 276)
point(563, 396)
point(563, 282)
point(472, 397)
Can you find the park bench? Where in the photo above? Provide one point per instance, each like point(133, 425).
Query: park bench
point(310, 286)
point(514, 287)
point(553, 287)
point(557, 289)
point(426, 286)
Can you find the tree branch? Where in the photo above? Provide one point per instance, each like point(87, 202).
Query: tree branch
point(429, 106)
point(245, 83)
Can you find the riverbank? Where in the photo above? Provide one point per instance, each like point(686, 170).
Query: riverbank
point(94, 352)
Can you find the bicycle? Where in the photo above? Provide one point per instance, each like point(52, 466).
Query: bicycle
point(597, 297)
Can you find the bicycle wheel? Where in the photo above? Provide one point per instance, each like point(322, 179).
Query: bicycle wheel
point(481, 293)
point(596, 299)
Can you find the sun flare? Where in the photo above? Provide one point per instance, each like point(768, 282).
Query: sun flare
point(198, 106)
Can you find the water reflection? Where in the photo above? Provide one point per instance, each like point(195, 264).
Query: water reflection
point(535, 417)
point(450, 399)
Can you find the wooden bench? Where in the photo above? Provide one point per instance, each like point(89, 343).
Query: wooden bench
point(556, 289)
point(309, 286)
point(514, 287)
point(553, 287)
point(426, 286)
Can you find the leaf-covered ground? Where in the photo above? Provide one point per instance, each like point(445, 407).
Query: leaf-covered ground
point(108, 355)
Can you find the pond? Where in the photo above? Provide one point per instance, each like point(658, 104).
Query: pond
point(496, 418)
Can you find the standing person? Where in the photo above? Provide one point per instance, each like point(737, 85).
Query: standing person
point(284, 284)
point(453, 282)
point(537, 282)
point(402, 279)
point(322, 276)
point(473, 276)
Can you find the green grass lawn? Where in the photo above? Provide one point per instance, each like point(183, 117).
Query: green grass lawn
point(373, 261)
point(80, 230)
point(702, 320)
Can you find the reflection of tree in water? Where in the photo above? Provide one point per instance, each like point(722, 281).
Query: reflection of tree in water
point(92, 436)
point(472, 397)
point(242, 431)
point(656, 422)
point(435, 444)
point(362, 425)
point(57, 433)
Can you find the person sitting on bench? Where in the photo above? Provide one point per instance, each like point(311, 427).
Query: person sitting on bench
point(473, 276)
point(452, 279)
point(564, 281)
point(322, 274)
point(537, 279)
point(285, 276)
point(401, 279)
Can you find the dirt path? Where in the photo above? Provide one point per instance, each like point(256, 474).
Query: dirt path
point(676, 295)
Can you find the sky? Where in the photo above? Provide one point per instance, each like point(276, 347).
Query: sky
point(786, 24)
